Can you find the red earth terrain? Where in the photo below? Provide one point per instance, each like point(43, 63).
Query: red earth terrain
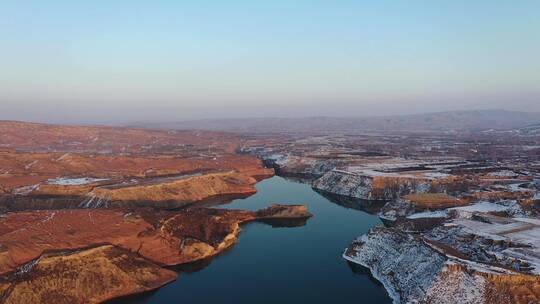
point(50, 166)
point(37, 245)
point(72, 226)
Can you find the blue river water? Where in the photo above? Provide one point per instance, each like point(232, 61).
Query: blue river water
point(281, 265)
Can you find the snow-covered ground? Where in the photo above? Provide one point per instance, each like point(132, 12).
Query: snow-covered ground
point(523, 231)
point(502, 173)
point(435, 175)
point(403, 264)
point(64, 181)
point(428, 214)
point(481, 207)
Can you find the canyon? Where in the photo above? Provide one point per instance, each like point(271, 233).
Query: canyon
point(454, 217)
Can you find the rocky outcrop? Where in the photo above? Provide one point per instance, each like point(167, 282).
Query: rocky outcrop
point(388, 181)
point(345, 184)
point(295, 166)
point(370, 187)
point(86, 276)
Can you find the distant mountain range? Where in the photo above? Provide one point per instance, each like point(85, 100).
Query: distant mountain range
point(454, 121)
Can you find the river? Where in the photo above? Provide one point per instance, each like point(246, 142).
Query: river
point(281, 265)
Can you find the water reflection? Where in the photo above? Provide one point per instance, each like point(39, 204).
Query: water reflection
point(195, 266)
point(363, 271)
point(369, 206)
point(284, 222)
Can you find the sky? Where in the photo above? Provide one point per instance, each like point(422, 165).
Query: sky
point(120, 61)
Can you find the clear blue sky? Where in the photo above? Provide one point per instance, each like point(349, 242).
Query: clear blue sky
point(105, 60)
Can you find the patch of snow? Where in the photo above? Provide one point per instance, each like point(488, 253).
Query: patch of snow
point(482, 207)
point(436, 175)
point(502, 173)
point(28, 266)
point(528, 220)
point(517, 188)
point(428, 214)
point(92, 202)
point(63, 181)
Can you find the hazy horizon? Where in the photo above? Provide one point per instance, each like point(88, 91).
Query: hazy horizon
point(103, 62)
